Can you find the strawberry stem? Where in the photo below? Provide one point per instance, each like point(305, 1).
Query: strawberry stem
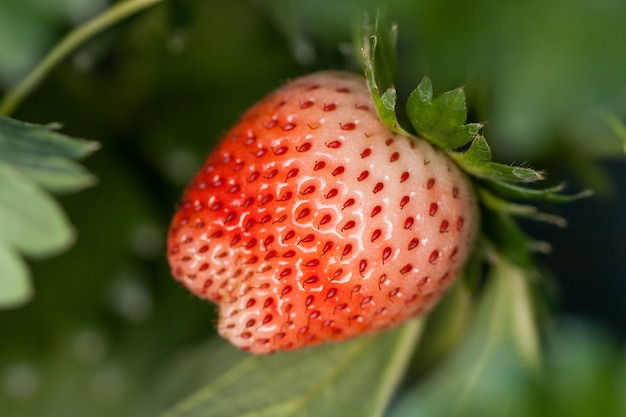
point(67, 45)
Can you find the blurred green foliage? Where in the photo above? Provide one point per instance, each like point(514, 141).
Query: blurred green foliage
point(158, 90)
point(537, 71)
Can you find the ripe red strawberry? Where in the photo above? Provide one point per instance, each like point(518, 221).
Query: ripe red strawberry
point(312, 221)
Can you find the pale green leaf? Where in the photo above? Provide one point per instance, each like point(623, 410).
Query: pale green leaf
point(488, 373)
point(15, 285)
point(35, 159)
point(30, 220)
point(355, 378)
point(44, 155)
point(41, 139)
point(446, 325)
point(54, 173)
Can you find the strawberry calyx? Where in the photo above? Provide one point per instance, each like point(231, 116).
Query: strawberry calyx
point(503, 190)
point(441, 120)
point(503, 266)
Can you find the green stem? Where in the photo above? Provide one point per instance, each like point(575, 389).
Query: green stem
point(67, 45)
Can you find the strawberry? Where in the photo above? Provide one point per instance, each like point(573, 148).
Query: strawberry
point(312, 221)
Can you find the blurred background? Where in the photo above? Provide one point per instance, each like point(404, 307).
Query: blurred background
point(159, 89)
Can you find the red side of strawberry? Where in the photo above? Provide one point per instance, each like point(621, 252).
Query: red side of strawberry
point(312, 221)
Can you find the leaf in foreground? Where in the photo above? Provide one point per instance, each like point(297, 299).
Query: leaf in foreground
point(45, 156)
point(34, 160)
point(30, 220)
point(15, 287)
point(499, 357)
point(354, 378)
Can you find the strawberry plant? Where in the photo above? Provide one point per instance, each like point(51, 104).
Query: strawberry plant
point(351, 238)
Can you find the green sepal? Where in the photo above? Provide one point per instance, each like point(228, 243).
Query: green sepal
point(379, 61)
point(476, 160)
point(509, 240)
point(440, 120)
point(550, 194)
point(502, 205)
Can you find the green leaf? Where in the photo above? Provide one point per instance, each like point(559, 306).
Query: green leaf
point(34, 159)
point(44, 155)
point(445, 327)
point(30, 220)
point(595, 386)
point(380, 66)
point(355, 378)
point(55, 174)
point(442, 120)
point(486, 376)
point(15, 285)
point(477, 161)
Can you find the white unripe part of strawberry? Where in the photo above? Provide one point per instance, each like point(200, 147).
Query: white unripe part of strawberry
point(312, 221)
